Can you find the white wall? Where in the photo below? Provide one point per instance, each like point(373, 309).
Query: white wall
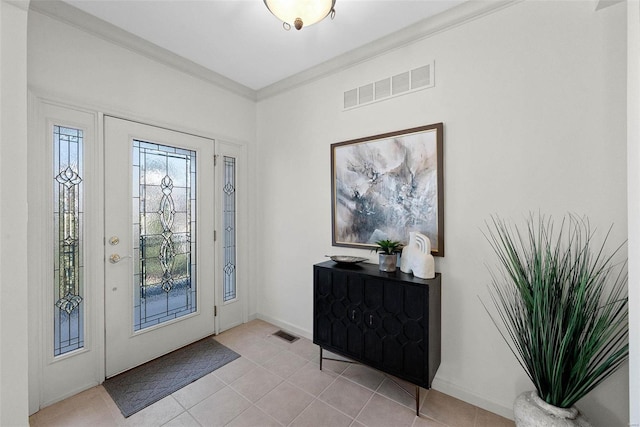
point(80, 68)
point(633, 191)
point(13, 213)
point(533, 102)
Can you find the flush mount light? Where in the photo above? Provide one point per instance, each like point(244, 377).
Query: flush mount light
point(301, 12)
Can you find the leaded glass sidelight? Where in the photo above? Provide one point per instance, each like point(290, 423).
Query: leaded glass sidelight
point(68, 225)
point(229, 226)
point(164, 230)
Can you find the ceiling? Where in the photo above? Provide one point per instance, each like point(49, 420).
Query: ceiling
point(243, 41)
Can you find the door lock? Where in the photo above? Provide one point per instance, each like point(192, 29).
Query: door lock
point(114, 240)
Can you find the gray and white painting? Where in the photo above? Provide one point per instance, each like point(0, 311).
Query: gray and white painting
point(386, 188)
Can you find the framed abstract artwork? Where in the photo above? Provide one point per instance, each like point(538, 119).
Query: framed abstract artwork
point(385, 186)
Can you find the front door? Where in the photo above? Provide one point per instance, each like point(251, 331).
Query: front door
point(159, 242)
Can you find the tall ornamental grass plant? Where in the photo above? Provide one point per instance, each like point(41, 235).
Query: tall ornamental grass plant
point(562, 302)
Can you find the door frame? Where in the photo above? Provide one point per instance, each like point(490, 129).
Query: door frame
point(39, 277)
point(223, 148)
point(130, 348)
point(42, 114)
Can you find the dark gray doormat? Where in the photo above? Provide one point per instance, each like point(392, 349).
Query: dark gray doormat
point(139, 387)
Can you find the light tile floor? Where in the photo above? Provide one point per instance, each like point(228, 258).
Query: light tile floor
point(276, 383)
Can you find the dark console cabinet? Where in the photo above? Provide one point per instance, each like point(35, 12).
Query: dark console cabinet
point(389, 321)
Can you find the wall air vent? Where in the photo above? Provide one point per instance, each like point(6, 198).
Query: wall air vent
point(383, 88)
point(389, 87)
point(420, 77)
point(351, 98)
point(365, 94)
point(400, 83)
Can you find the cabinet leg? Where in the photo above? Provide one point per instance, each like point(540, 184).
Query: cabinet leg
point(321, 358)
point(417, 401)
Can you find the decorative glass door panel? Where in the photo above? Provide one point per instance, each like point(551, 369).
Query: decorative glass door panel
point(164, 230)
point(68, 223)
point(229, 218)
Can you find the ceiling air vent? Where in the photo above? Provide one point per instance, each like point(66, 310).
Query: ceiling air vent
point(389, 87)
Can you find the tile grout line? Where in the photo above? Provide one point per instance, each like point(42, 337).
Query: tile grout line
point(286, 380)
point(385, 377)
point(245, 397)
point(338, 409)
point(183, 410)
point(253, 405)
point(314, 397)
point(368, 400)
point(303, 409)
point(475, 418)
point(373, 393)
point(362, 409)
point(301, 412)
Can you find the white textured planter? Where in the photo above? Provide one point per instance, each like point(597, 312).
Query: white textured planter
point(531, 411)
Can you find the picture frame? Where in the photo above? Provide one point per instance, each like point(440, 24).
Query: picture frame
point(385, 186)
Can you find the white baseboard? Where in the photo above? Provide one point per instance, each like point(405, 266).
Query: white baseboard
point(288, 327)
point(73, 392)
point(468, 396)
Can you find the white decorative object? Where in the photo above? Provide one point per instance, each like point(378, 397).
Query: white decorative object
point(416, 257)
point(531, 411)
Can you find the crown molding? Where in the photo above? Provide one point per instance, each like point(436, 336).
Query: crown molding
point(20, 4)
point(602, 4)
point(428, 27)
point(446, 20)
point(77, 18)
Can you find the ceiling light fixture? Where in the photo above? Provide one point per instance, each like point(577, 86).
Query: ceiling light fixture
point(301, 12)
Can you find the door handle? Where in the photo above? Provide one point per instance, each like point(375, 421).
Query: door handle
point(115, 258)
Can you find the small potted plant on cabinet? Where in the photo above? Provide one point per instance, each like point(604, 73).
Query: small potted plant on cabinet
point(388, 254)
